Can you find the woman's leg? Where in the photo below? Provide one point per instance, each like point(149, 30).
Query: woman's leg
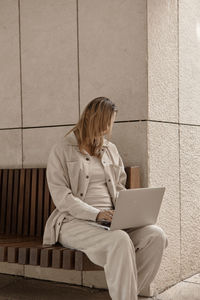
point(112, 250)
point(150, 242)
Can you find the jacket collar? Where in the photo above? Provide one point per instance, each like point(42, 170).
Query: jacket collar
point(72, 140)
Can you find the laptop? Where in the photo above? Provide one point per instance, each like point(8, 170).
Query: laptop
point(135, 208)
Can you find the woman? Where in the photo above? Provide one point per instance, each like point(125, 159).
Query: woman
point(85, 173)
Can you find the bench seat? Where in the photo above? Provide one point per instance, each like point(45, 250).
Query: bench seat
point(30, 251)
point(25, 205)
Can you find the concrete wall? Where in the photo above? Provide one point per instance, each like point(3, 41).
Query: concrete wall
point(56, 56)
point(173, 131)
point(59, 55)
point(163, 130)
point(189, 115)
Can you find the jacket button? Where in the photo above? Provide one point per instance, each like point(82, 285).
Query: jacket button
point(87, 176)
point(109, 180)
point(81, 194)
point(87, 158)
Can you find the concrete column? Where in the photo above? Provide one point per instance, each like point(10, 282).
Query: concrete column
point(163, 129)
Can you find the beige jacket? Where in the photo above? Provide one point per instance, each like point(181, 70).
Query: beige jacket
point(67, 178)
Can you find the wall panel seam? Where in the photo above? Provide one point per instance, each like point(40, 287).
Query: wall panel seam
point(78, 60)
point(117, 122)
point(20, 70)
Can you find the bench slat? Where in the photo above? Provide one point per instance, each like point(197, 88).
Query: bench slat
point(3, 253)
point(5, 238)
point(40, 202)
point(1, 175)
point(68, 259)
point(3, 200)
point(15, 201)
point(57, 258)
point(9, 201)
point(12, 255)
point(46, 257)
point(33, 202)
point(35, 254)
point(26, 217)
point(9, 250)
point(46, 202)
point(24, 256)
point(21, 202)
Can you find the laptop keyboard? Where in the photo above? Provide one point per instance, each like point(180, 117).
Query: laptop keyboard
point(105, 223)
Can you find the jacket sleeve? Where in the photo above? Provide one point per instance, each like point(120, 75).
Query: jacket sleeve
point(122, 176)
point(59, 187)
point(120, 185)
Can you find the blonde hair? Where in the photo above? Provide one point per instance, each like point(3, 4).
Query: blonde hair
point(94, 122)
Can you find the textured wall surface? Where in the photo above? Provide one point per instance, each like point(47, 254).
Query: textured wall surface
point(64, 54)
point(49, 62)
point(37, 142)
point(113, 54)
point(189, 61)
point(173, 130)
point(189, 102)
point(162, 130)
point(162, 60)
point(10, 100)
point(163, 170)
point(190, 204)
point(134, 148)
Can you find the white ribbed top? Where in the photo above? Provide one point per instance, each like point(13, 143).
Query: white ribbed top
point(97, 193)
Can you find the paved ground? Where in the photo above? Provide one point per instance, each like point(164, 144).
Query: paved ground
point(20, 288)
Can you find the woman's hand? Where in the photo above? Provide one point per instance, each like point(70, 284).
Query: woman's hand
point(105, 215)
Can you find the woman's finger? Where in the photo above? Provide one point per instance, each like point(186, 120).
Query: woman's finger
point(108, 217)
point(109, 213)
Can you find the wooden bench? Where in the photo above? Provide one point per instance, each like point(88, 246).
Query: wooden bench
point(25, 205)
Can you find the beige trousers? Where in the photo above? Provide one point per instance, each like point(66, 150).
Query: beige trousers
point(130, 257)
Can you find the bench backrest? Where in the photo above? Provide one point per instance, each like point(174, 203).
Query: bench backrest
point(25, 201)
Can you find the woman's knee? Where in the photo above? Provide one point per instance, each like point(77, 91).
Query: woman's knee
point(159, 233)
point(120, 237)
